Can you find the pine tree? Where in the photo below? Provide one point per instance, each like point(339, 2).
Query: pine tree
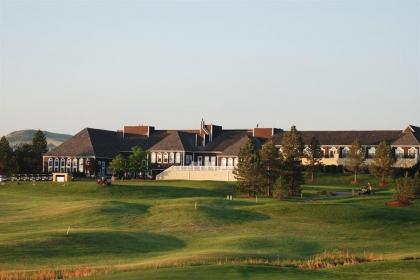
point(247, 172)
point(382, 161)
point(292, 152)
point(355, 159)
point(137, 161)
point(313, 154)
point(39, 147)
point(118, 165)
point(270, 165)
point(5, 156)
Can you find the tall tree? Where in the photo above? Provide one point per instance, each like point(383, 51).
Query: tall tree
point(5, 157)
point(292, 152)
point(313, 154)
point(247, 172)
point(39, 147)
point(355, 158)
point(24, 159)
point(118, 165)
point(137, 161)
point(270, 165)
point(383, 161)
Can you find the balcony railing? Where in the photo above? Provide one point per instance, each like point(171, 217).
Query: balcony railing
point(202, 168)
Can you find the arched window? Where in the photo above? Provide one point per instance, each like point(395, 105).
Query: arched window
point(345, 152)
point(153, 157)
point(81, 165)
point(159, 158)
point(62, 165)
point(230, 161)
point(68, 165)
point(223, 161)
point(371, 152)
point(171, 157)
point(412, 152)
point(165, 157)
point(75, 165)
point(399, 152)
point(50, 164)
point(56, 164)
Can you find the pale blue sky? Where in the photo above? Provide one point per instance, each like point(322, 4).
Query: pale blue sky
point(66, 65)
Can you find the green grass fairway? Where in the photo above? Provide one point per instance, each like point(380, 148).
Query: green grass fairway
point(151, 230)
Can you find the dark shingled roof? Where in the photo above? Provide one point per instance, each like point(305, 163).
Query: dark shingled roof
point(89, 142)
point(166, 141)
point(416, 132)
point(368, 137)
point(228, 142)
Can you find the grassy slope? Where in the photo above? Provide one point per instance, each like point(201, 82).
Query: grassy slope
point(144, 223)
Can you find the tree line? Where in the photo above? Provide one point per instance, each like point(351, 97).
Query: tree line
point(269, 171)
point(25, 158)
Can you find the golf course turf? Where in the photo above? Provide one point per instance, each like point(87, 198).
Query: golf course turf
point(188, 230)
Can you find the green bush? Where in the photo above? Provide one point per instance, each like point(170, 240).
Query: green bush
point(405, 189)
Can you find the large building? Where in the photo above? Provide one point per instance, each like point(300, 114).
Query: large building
point(90, 151)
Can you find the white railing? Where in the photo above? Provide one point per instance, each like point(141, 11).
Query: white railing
point(201, 168)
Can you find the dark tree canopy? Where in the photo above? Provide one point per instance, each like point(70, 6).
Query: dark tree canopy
point(270, 165)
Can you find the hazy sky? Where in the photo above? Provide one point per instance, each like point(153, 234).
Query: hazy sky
point(66, 65)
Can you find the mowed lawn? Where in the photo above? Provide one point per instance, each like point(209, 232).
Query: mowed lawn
point(188, 230)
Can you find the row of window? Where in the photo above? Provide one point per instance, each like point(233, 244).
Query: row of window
point(399, 152)
point(69, 165)
point(171, 157)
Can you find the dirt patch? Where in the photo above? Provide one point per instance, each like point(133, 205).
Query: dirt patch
point(397, 203)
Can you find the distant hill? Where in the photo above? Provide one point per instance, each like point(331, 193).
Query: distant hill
point(25, 137)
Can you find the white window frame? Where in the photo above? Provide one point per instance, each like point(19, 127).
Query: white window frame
point(178, 158)
point(153, 157)
point(165, 157)
point(159, 158)
point(171, 157)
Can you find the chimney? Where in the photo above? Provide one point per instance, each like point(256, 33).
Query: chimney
point(138, 130)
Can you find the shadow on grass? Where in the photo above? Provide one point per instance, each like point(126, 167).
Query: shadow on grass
point(161, 192)
point(224, 212)
point(91, 244)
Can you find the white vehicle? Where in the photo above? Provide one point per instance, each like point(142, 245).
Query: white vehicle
point(3, 178)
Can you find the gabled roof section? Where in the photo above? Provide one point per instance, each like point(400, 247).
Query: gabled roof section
point(367, 137)
point(79, 145)
point(228, 142)
point(410, 136)
point(166, 141)
point(105, 143)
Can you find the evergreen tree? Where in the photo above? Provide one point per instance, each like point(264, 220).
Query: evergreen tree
point(118, 165)
point(292, 152)
point(5, 157)
point(39, 147)
point(313, 154)
point(355, 159)
point(247, 172)
point(382, 161)
point(270, 165)
point(24, 159)
point(405, 189)
point(137, 161)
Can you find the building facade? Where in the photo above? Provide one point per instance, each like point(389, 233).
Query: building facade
point(90, 151)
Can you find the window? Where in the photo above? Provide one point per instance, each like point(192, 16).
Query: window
point(81, 169)
point(371, 152)
point(56, 164)
point(345, 152)
point(207, 161)
point(68, 167)
point(223, 161)
point(50, 164)
point(230, 161)
point(213, 161)
point(188, 159)
point(178, 158)
point(165, 157)
point(171, 158)
point(235, 162)
point(412, 152)
point(153, 157)
point(323, 152)
point(199, 160)
point(62, 165)
point(306, 151)
point(332, 152)
point(75, 165)
point(159, 158)
point(399, 152)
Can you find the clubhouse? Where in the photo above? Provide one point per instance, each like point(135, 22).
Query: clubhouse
point(90, 151)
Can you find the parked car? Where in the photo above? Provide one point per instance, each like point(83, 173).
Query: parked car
point(3, 178)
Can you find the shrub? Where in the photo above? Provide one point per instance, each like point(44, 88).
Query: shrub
point(405, 189)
